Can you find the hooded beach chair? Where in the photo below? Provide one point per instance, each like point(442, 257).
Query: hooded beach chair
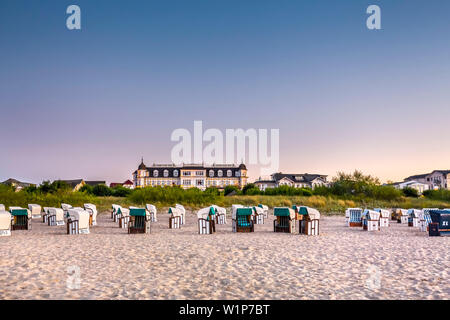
point(123, 216)
point(21, 218)
point(175, 218)
point(139, 220)
point(183, 213)
point(384, 217)
point(425, 218)
point(285, 220)
point(221, 214)
point(114, 212)
point(152, 211)
point(414, 217)
point(77, 221)
point(402, 216)
point(309, 224)
point(353, 217)
point(371, 220)
point(45, 214)
point(258, 215)
point(440, 223)
point(35, 210)
point(55, 217)
point(2, 207)
point(266, 210)
point(242, 220)
point(206, 220)
point(5, 223)
point(298, 215)
point(66, 207)
point(92, 209)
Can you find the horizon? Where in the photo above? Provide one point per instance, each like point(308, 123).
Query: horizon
point(90, 103)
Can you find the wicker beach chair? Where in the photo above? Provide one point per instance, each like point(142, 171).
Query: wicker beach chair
point(183, 212)
point(152, 211)
point(92, 209)
point(414, 217)
point(371, 220)
point(284, 220)
point(265, 209)
point(384, 217)
point(35, 210)
point(258, 215)
point(242, 220)
point(221, 214)
point(175, 218)
point(206, 220)
point(5, 223)
point(123, 217)
point(77, 220)
point(139, 221)
point(353, 217)
point(402, 216)
point(425, 219)
point(2, 207)
point(440, 223)
point(55, 217)
point(309, 224)
point(21, 218)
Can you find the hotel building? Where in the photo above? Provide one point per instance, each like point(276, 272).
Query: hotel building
point(190, 176)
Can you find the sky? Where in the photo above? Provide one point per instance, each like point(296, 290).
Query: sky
point(90, 103)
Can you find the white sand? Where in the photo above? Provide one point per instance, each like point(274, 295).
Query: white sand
point(180, 264)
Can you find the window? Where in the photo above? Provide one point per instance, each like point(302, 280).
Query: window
point(186, 173)
point(229, 173)
point(166, 173)
point(155, 173)
point(175, 173)
point(237, 174)
point(211, 173)
point(187, 182)
point(220, 173)
point(199, 173)
point(199, 182)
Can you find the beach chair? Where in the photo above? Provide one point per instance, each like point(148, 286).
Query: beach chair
point(123, 217)
point(221, 214)
point(35, 210)
point(384, 217)
point(266, 210)
point(114, 212)
point(425, 219)
point(353, 217)
point(183, 213)
point(309, 225)
point(175, 218)
point(2, 207)
point(21, 218)
point(77, 220)
point(242, 220)
point(371, 220)
point(92, 209)
point(258, 215)
point(284, 220)
point(414, 218)
point(45, 214)
point(298, 215)
point(152, 211)
point(55, 217)
point(206, 220)
point(66, 207)
point(402, 216)
point(5, 223)
point(440, 223)
point(139, 221)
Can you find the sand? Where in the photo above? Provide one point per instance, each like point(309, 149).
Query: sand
point(399, 262)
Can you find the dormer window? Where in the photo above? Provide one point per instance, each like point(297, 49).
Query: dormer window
point(155, 173)
point(237, 174)
point(175, 173)
point(220, 173)
point(211, 173)
point(166, 173)
point(229, 173)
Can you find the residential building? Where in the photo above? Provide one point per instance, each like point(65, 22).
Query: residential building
point(297, 180)
point(18, 185)
point(414, 184)
point(190, 175)
point(77, 184)
point(127, 184)
point(438, 179)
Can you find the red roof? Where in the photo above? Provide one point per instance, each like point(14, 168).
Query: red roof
point(128, 182)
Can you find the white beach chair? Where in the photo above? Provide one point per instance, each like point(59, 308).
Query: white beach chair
point(425, 219)
point(92, 209)
point(5, 223)
point(265, 210)
point(55, 217)
point(206, 223)
point(175, 218)
point(309, 224)
point(152, 211)
point(384, 217)
point(402, 216)
point(371, 220)
point(77, 221)
point(183, 213)
point(221, 214)
point(353, 217)
point(2, 207)
point(414, 217)
point(123, 216)
point(258, 215)
point(35, 211)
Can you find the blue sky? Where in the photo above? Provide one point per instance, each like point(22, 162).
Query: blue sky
point(89, 103)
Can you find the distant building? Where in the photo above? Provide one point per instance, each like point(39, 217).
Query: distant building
point(18, 185)
point(419, 186)
point(190, 176)
point(127, 184)
point(438, 179)
point(77, 184)
point(303, 180)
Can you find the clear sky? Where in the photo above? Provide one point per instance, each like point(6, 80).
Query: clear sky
point(89, 103)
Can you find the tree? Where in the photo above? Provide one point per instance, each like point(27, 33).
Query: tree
point(101, 190)
point(410, 192)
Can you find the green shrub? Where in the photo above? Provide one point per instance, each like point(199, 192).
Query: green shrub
point(410, 192)
point(101, 190)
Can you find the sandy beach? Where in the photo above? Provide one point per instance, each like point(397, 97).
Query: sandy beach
point(398, 262)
